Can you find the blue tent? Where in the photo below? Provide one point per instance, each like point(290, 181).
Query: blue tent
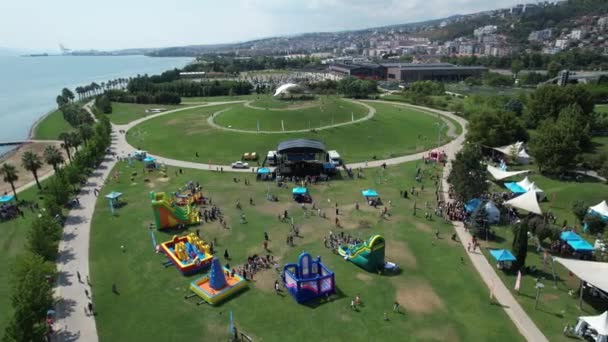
point(149, 160)
point(328, 166)
point(299, 191)
point(515, 188)
point(472, 205)
point(569, 236)
point(581, 246)
point(113, 196)
point(502, 255)
point(6, 198)
point(263, 170)
point(369, 193)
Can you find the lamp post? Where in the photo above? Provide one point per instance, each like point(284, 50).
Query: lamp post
point(539, 286)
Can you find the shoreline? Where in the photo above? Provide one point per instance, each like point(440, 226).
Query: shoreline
point(34, 125)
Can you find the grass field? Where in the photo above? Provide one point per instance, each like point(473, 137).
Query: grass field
point(442, 299)
point(51, 126)
point(557, 307)
point(601, 108)
point(394, 131)
point(123, 113)
point(463, 89)
point(269, 101)
point(12, 243)
point(326, 112)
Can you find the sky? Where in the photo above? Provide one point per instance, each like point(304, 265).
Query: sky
point(118, 24)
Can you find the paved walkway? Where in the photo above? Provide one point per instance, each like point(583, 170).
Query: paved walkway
point(371, 111)
point(72, 322)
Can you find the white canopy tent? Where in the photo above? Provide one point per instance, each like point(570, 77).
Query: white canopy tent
point(598, 323)
point(527, 202)
point(508, 150)
point(492, 212)
point(525, 183)
point(600, 208)
point(539, 192)
point(499, 174)
point(523, 157)
point(592, 272)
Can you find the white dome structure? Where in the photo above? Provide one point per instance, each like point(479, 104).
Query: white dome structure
point(280, 90)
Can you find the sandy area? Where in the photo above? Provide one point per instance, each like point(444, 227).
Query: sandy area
point(26, 177)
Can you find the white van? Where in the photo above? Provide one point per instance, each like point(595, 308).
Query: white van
point(334, 158)
point(271, 157)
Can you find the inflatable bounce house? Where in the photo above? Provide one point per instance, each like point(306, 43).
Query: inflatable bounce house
point(368, 255)
point(218, 284)
point(308, 279)
point(188, 253)
point(189, 195)
point(168, 215)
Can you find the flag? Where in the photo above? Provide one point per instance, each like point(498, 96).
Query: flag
point(518, 281)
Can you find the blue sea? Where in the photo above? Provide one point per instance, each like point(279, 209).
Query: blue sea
point(29, 85)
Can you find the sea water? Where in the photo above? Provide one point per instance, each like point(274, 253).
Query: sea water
point(29, 85)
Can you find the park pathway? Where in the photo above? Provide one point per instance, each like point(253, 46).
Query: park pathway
point(72, 321)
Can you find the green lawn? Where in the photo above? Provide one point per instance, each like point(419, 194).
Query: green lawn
point(601, 108)
point(557, 308)
point(394, 131)
point(269, 101)
point(328, 111)
point(51, 126)
point(12, 243)
point(464, 89)
point(123, 113)
point(443, 299)
point(601, 144)
point(221, 98)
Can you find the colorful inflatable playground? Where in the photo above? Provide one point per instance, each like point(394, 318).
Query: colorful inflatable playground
point(308, 279)
point(188, 253)
point(218, 284)
point(168, 213)
point(368, 255)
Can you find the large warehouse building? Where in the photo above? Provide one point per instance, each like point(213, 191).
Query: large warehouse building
point(408, 72)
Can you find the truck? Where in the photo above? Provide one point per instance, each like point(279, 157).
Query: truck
point(271, 158)
point(334, 157)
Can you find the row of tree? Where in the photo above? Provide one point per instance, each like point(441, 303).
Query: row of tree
point(33, 272)
point(356, 88)
point(233, 65)
point(188, 88)
point(166, 98)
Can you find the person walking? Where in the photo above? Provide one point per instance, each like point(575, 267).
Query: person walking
point(226, 255)
point(78, 276)
point(266, 236)
point(277, 289)
point(396, 307)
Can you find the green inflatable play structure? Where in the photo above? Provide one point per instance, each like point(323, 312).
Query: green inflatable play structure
point(368, 254)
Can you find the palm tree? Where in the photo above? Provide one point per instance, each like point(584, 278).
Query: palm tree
point(85, 132)
point(10, 175)
point(31, 162)
point(75, 140)
point(53, 156)
point(67, 143)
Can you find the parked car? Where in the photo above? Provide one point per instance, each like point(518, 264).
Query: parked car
point(240, 165)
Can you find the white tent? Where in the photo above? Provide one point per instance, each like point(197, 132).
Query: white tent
point(592, 272)
point(284, 88)
point(527, 202)
point(523, 157)
point(492, 212)
point(598, 323)
point(508, 150)
point(499, 174)
point(539, 192)
point(600, 208)
point(525, 183)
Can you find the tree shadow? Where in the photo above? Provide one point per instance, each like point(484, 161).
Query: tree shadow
point(65, 307)
point(63, 278)
point(67, 336)
point(65, 256)
point(75, 219)
point(68, 236)
point(103, 166)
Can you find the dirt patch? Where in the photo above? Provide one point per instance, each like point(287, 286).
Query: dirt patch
point(345, 318)
point(264, 280)
point(364, 277)
point(163, 179)
point(445, 333)
point(174, 122)
point(401, 253)
point(423, 227)
point(550, 296)
point(419, 297)
point(151, 185)
point(25, 176)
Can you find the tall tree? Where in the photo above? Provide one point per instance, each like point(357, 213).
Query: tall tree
point(75, 140)
point(468, 175)
point(496, 129)
point(520, 244)
point(53, 156)
point(31, 162)
point(61, 101)
point(31, 298)
point(10, 175)
point(44, 235)
point(67, 94)
point(66, 138)
point(548, 101)
point(517, 66)
point(85, 132)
